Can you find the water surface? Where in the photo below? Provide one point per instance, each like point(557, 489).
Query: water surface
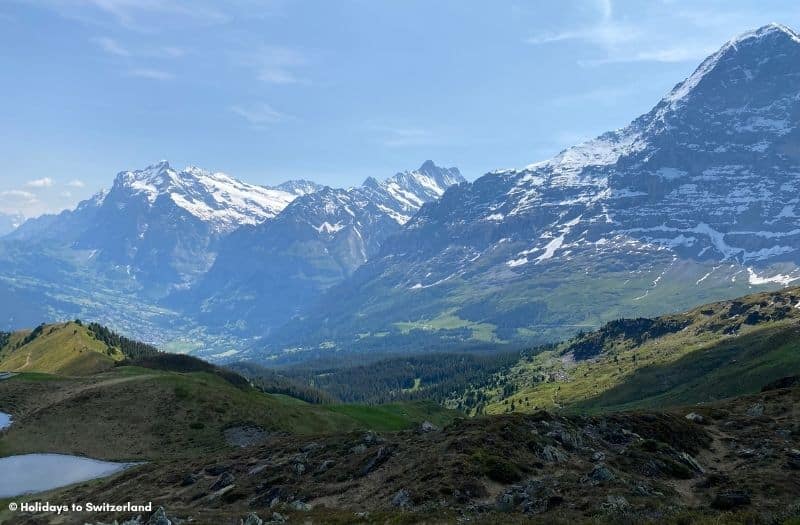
point(39, 472)
point(5, 420)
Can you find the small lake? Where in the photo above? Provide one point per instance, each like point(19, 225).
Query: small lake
point(5, 420)
point(31, 473)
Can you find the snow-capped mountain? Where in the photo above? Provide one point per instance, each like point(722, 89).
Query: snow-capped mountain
point(265, 274)
point(299, 187)
point(214, 198)
point(695, 200)
point(160, 225)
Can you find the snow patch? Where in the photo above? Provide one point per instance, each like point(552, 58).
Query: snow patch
point(754, 278)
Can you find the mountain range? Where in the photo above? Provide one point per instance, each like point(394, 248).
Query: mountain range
point(694, 201)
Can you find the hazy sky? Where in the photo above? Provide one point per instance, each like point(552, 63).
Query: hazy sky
point(330, 90)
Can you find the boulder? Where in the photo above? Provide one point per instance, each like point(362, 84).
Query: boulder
point(159, 517)
point(225, 480)
point(552, 454)
point(695, 418)
point(599, 474)
point(756, 410)
point(401, 499)
point(380, 457)
point(252, 519)
point(427, 426)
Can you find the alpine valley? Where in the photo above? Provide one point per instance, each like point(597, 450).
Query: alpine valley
point(695, 201)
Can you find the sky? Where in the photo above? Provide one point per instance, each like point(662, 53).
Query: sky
point(330, 90)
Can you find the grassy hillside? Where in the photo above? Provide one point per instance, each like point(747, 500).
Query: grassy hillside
point(153, 405)
point(711, 352)
point(146, 413)
point(65, 349)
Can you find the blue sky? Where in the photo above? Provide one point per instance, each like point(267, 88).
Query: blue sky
point(329, 90)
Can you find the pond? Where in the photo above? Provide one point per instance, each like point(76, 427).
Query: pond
point(31, 473)
point(5, 420)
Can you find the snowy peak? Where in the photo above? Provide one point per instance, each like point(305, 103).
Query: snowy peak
point(216, 198)
point(299, 187)
point(429, 180)
point(404, 193)
point(752, 57)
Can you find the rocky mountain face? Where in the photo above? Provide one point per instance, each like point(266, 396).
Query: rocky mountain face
point(159, 224)
point(692, 201)
point(267, 273)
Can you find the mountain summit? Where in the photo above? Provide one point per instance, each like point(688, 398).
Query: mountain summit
point(695, 200)
point(268, 273)
point(221, 201)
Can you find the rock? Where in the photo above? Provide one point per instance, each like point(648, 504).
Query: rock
point(299, 505)
point(252, 519)
point(695, 418)
point(225, 480)
point(324, 466)
point(401, 499)
point(359, 449)
point(216, 470)
point(159, 517)
point(370, 438)
point(747, 453)
point(756, 410)
point(598, 456)
point(380, 457)
point(794, 453)
point(189, 479)
point(647, 491)
point(311, 447)
point(298, 468)
point(570, 440)
point(427, 426)
point(277, 518)
point(730, 500)
point(615, 504)
point(552, 455)
point(599, 474)
point(691, 462)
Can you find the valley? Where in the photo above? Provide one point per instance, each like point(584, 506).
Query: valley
point(610, 335)
point(618, 424)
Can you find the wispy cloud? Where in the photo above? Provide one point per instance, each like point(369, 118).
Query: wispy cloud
point(259, 114)
point(18, 194)
point(276, 65)
point(111, 46)
point(666, 55)
point(138, 15)
point(76, 184)
point(150, 74)
point(604, 31)
point(44, 182)
point(403, 136)
point(617, 39)
point(606, 34)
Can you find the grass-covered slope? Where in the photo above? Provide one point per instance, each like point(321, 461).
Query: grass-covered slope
point(83, 390)
point(65, 349)
point(714, 351)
